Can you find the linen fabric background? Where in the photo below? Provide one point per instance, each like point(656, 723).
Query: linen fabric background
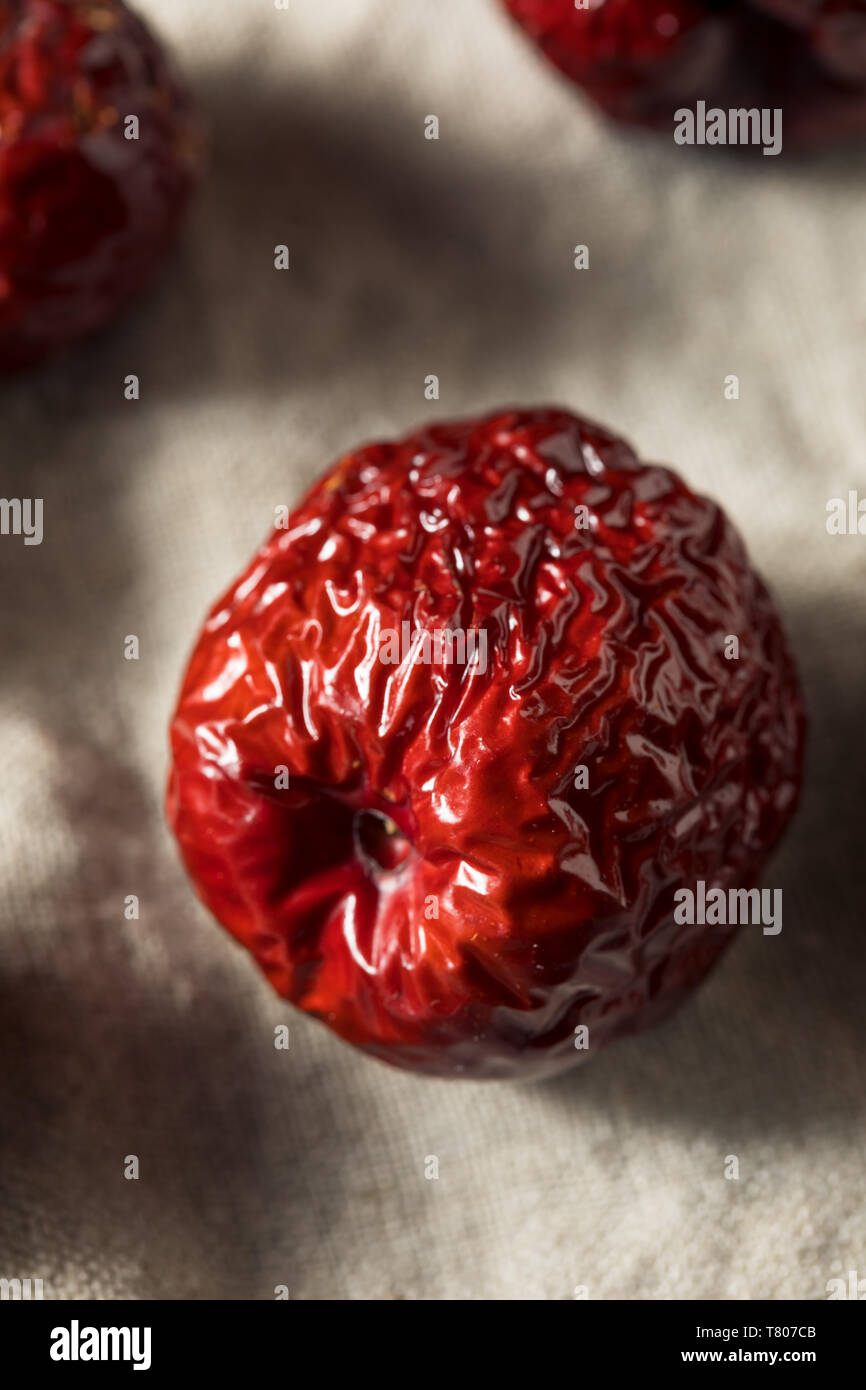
point(409, 257)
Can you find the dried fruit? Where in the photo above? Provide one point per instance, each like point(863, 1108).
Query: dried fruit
point(642, 60)
point(631, 56)
point(490, 661)
point(88, 202)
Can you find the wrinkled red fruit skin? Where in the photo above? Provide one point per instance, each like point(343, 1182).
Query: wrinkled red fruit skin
point(85, 214)
point(642, 60)
point(605, 649)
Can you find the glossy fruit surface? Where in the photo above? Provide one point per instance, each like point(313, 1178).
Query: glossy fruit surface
point(642, 60)
point(477, 850)
point(86, 213)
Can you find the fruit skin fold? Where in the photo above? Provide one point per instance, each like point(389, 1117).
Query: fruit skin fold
point(86, 211)
point(470, 864)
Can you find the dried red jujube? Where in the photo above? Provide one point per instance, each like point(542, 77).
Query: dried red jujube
point(478, 851)
point(642, 60)
point(86, 210)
